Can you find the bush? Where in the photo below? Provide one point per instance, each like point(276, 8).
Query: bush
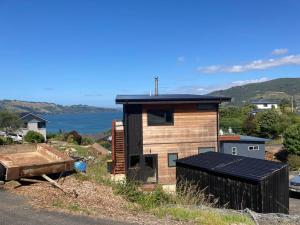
point(51, 136)
point(87, 141)
point(294, 162)
point(148, 200)
point(74, 137)
point(2, 140)
point(9, 141)
point(292, 139)
point(34, 137)
point(268, 124)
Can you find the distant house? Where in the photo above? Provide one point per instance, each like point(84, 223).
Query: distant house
point(241, 145)
point(159, 129)
point(264, 104)
point(33, 122)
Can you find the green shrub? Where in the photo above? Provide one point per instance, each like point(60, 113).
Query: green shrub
point(73, 137)
point(34, 137)
point(148, 200)
point(2, 140)
point(9, 141)
point(105, 144)
point(52, 136)
point(294, 162)
point(87, 141)
point(156, 198)
point(292, 139)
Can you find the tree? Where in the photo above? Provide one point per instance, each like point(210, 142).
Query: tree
point(250, 126)
point(9, 121)
point(34, 137)
point(292, 139)
point(268, 125)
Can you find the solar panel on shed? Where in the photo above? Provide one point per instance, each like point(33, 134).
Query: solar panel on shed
point(236, 166)
point(236, 181)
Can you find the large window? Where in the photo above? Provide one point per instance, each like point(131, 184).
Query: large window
point(172, 157)
point(205, 149)
point(160, 117)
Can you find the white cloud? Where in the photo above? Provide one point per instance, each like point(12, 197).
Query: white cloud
point(194, 89)
point(254, 65)
point(280, 51)
point(243, 82)
point(180, 59)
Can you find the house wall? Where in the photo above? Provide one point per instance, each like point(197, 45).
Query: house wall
point(192, 129)
point(268, 106)
point(242, 149)
point(33, 125)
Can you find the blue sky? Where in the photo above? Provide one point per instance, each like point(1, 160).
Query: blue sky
point(87, 52)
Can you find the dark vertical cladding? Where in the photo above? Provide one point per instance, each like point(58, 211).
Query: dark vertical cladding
point(133, 131)
point(234, 188)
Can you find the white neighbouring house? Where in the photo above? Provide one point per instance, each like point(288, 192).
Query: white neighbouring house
point(264, 104)
point(33, 122)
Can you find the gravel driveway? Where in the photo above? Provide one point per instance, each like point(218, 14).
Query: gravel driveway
point(13, 211)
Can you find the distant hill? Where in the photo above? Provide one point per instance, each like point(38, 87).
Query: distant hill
point(50, 108)
point(278, 89)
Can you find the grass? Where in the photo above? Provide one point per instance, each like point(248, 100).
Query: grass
point(203, 217)
point(181, 207)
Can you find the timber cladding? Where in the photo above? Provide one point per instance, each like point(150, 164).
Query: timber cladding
point(192, 128)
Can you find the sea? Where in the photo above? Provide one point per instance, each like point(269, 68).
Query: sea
point(84, 123)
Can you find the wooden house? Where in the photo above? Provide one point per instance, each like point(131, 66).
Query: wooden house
point(159, 129)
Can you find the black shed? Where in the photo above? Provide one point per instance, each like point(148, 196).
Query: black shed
point(238, 182)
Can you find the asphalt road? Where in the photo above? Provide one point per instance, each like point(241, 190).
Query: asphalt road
point(14, 211)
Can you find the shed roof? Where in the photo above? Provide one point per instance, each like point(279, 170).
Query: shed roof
point(241, 138)
point(231, 165)
point(171, 98)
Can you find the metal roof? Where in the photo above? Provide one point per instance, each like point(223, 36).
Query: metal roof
point(241, 138)
point(263, 101)
point(171, 98)
point(232, 165)
point(25, 115)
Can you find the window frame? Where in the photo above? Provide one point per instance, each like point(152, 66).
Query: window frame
point(254, 148)
point(160, 124)
point(234, 149)
point(169, 154)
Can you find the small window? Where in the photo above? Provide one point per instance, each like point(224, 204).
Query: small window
point(234, 151)
point(41, 125)
point(134, 161)
point(205, 149)
point(253, 148)
point(160, 117)
point(172, 157)
point(265, 105)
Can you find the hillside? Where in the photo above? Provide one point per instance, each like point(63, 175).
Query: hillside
point(50, 108)
point(278, 89)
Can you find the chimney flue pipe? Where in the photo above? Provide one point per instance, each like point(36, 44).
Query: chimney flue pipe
point(156, 86)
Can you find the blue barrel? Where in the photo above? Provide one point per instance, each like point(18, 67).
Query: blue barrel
point(80, 166)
